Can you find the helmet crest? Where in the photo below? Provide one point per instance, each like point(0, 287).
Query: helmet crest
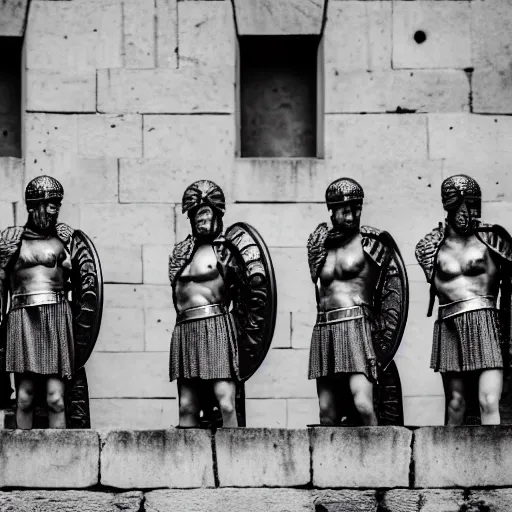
point(203, 192)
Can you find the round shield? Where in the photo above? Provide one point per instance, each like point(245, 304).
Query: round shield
point(255, 307)
point(87, 296)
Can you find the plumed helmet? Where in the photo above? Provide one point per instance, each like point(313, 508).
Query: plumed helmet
point(43, 188)
point(456, 188)
point(203, 192)
point(343, 190)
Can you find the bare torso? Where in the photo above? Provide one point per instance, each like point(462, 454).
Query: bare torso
point(41, 266)
point(348, 277)
point(201, 282)
point(465, 269)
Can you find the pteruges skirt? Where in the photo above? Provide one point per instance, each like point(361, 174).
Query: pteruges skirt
point(40, 340)
point(466, 342)
point(205, 349)
point(343, 346)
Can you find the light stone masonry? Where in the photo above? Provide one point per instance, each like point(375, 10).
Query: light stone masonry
point(302, 412)
point(155, 262)
point(158, 329)
point(266, 413)
point(429, 500)
point(11, 178)
point(139, 34)
point(50, 133)
point(166, 20)
point(120, 263)
point(12, 18)
point(122, 330)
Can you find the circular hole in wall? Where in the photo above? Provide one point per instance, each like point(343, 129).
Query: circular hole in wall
point(420, 36)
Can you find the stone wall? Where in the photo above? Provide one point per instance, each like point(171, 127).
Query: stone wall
point(127, 101)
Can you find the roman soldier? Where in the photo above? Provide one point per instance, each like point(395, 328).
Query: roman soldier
point(362, 302)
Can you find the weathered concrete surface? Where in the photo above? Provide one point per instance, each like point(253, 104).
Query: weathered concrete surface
point(361, 457)
point(496, 500)
point(346, 501)
point(157, 458)
point(262, 457)
point(428, 500)
point(49, 458)
point(69, 501)
point(230, 500)
point(463, 456)
point(12, 17)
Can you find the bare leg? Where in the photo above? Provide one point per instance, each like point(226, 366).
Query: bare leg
point(455, 398)
point(55, 388)
point(189, 402)
point(490, 385)
point(24, 403)
point(225, 393)
point(327, 401)
point(362, 391)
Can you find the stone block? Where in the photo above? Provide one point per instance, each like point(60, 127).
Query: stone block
point(497, 500)
point(491, 91)
point(51, 133)
point(79, 36)
point(139, 34)
point(279, 457)
point(358, 36)
point(165, 91)
point(122, 330)
point(283, 374)
point(396, 91)
point(183, 458)
point(166, 20)
point(354, 137)
point(129, 375)
point(224, 500)
point(110, 135)
point(133, 296)
point(302, 412)
point(346, 501)
point(168, 136)
point(267, 18)
point(464, 136)
point(11, 177)
point(13, 15)
point(49, 458)
point(155, 260)
point(133, 414)
point(125, 224)
point(427, 500)
point(159, 327)
point(119, 263)
point(61, 91)
point(420, 411)
point(6, 214)
point(70, 501)
point(302, 327)
point(282, 333)
point(265, 413)
point(446, 26)
point(463, 456)
point(361, 456)
point(499, 213)
point(163, 180)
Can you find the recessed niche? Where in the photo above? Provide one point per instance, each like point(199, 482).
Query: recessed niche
point(278, 96)
point(10, 96)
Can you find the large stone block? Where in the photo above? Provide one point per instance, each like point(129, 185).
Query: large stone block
point(159, 327)
point(302, 412)
point(128, 224)
point(497, 500)
point(61, 91)
point(6, 214)
point(283, 330)
point(361, 457)
point(70, 501)
point(283, 374)
point(133, 296)
point(446, 28)
point(11, 178)
point(267, 18)
point(165, 91)
point(395, 91)
point(279, 457)
point(357, 36)
point(119, 263)
point(227, 500)
point(491, 90)
point(133, 414)
point(13, 15)
point(129, 375)
point(463, 456)
point(170, 136)
point(49, 458)
point(155, 259)
point(166, 19)
point(51, 133)
point(266, 413)
point(163, 180)
point(397, 137)
point(78, 36)
point(122, 330)
point(302, 327)
point(427, 500)
point(183, 458)
point(346, 501)
point(110, 135)
point(139, 34)
point(420, 411)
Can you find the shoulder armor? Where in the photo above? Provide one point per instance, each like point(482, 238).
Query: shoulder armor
point(426, 250)
point(64, 232)
point(180, 256)
point(374, 243)
point(316, 250)
point(496, 238)
point(10, 240)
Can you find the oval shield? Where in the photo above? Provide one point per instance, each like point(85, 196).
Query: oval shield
point(87, 296)
point(255, 308)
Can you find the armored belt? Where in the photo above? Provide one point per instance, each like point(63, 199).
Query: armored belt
point(332, 316)
point(25, 300)
point(201, 312)
point(465, 305)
